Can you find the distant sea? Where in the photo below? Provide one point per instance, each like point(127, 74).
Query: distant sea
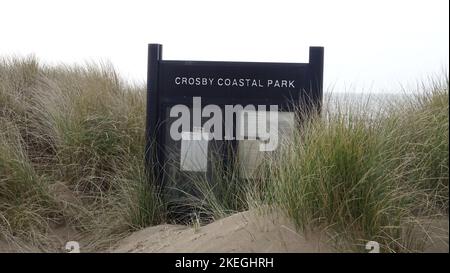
point(362, 102)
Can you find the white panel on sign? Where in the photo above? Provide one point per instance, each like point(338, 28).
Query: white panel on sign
point(194, 151)
point(250, 153)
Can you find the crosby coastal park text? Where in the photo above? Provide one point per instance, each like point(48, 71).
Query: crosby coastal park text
point(234, 82)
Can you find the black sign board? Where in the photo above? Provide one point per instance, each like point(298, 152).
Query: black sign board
point(172, 83)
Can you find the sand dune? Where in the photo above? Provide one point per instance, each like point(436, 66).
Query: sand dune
point(250, 231)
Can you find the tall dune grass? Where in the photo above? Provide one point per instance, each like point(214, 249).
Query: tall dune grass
point(71, 143)
point(72, 154)
point(368, 177)
point(357, 172)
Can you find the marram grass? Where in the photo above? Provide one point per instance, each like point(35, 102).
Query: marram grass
point(367, 177)
point(71, 155)
point(71, 145)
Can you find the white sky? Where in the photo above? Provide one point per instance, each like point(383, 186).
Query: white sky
point(369, 45)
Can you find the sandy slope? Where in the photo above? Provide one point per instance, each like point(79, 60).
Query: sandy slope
point(250, 231)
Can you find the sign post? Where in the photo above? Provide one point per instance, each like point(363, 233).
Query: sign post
point(196, 109)
point(151, 147)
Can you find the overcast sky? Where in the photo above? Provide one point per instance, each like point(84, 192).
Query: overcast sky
point(369, 45)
